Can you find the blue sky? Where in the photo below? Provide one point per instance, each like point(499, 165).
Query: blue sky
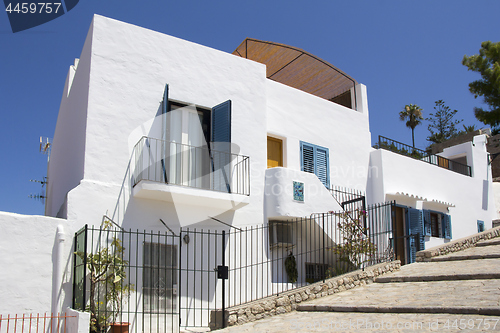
point(403, 51)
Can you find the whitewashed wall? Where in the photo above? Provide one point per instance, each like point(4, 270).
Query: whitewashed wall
point(280, 202)
point(295, 116)
point(67, 156)
point(31, 254)
point(129, 68)
point(412, 182)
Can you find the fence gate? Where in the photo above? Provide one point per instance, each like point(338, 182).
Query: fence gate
point(202, 278)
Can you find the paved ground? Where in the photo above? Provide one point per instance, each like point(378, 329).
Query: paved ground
point(369, 322)
point(455, 294)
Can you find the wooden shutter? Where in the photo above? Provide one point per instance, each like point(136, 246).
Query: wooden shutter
point(165, 135)
point(221, 146)
point(307, 157)
point(446, 226)
point(164, 104)
point(314, 159)
point(427, 223)
point(322, 165)
point(415, 226)
point(221, 122)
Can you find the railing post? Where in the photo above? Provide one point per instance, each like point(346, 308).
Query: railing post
point(224, 279)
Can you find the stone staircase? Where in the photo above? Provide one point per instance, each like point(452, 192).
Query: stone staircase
point(465, 282)
point(454, 288)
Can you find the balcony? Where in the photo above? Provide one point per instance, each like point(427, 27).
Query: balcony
point(187, 166)
point(403, 149)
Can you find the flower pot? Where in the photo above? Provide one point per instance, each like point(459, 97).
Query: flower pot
point(119, 327)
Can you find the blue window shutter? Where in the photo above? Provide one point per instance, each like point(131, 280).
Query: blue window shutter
point(221, 144)
point(427, 223)
point(315, 159)
point(446, 226)
point(221, 122)
point(480, 226)
point(307, 157)
point(164, 104)
point(322, 165)
point(165, 135)
point(415, 226)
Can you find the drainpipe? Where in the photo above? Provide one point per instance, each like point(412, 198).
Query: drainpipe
point(57, 272)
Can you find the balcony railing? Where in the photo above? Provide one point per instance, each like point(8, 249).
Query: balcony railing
point(199, 167)
point(403, 149)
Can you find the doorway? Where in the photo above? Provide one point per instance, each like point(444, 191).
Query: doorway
point(187, 151)
point(399, 233)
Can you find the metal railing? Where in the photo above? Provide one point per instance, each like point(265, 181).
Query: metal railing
point(180, 277)
point(199, 167)
point(35, 323)
point(404, 149)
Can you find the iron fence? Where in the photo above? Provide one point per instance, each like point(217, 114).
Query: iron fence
point(199, 167)
point(403, 149)
point(171, 280)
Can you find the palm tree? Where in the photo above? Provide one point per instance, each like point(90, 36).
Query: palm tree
point(413, 113)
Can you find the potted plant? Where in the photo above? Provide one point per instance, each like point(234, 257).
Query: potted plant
point(108, 290)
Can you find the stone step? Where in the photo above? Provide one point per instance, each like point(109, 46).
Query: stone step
point(445, 271)
point(482, 252)
point(459, 256)
point(488, 311)
point(489, 242)
point(438, 277)
point(450, 297)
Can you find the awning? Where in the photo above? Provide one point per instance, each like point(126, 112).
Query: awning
point(299, 69)
point(421, 198)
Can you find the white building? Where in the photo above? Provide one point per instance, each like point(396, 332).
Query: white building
point(158, 134)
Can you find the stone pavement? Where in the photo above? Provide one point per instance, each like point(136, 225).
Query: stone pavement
point(459, 292)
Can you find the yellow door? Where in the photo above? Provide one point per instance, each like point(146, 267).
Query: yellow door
point(274, 152)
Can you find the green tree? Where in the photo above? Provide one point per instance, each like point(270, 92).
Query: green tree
point(413, 115)
point(442, 125)
point(486, 63)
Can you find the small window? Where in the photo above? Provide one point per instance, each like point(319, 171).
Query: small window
point(280, 233)
point(274, 152)
point(315, 272)
point(480, 226)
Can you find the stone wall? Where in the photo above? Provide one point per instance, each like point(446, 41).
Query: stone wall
point(288, 300)
point(457, 245)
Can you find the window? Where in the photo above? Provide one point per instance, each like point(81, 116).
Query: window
point(274, 152)
point(159, 278)
point(434, 225)
point(188, 132)
point(315, 159)
point(437, 224)
point(315, 272)
point(280, 233)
